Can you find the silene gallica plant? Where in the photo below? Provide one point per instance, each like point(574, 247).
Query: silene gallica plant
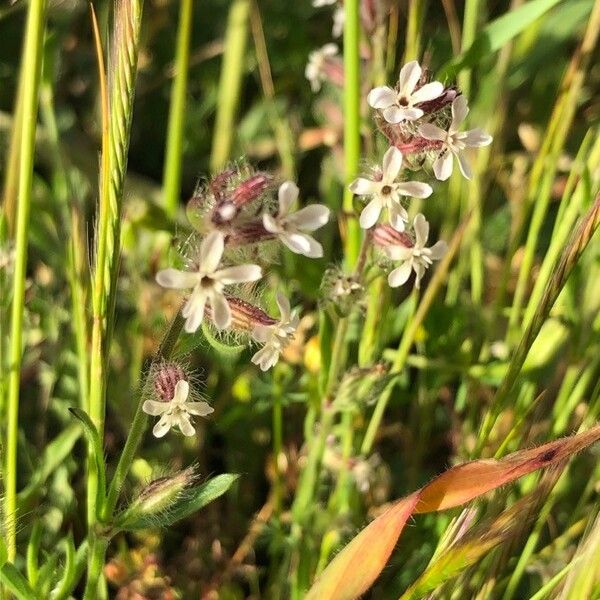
point(330, 354)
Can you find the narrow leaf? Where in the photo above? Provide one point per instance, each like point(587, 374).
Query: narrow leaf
point(465, 482)
point(353, 571)
point(16, 583)
point(93, 437)
point(497, 33)
point(189, 503)
point(356, 567)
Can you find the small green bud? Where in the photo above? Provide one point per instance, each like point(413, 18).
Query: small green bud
point(156, 498)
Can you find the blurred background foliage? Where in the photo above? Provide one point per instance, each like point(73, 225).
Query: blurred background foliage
point(200, 555)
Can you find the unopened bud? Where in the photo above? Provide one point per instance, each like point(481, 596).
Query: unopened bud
point(244, 316)
point(386, 235)
point(165, 379)
point(156, 498)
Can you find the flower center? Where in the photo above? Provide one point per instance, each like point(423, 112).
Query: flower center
point(386, 190)
point(403, 101)
point(207, 282)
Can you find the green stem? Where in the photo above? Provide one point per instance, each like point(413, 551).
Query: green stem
point(172, 171)
point(32, 64)
point(351, 123)
point(138, 425)
point(230, 83)
point(98, 547)
point(277, 444)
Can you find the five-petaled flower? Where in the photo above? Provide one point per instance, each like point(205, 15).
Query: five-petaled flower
point(275, 337)
point(207, 283)
point(417, 257)
point(177, 411)
point(386, 192)
point(454, 141)
point(399, 104)
point(315, 68)
point(291, 228)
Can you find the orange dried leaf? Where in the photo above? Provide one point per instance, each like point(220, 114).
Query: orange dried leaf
point(465, 482)
point(355, 568)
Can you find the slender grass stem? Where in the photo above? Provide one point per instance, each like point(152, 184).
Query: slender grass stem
point(174, 152)
point(409, 334)
point(32, 65)
point(571, 254)
point(351, 123)
point(230, 83)
point(416, 12)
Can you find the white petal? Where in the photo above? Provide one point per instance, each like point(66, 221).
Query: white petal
point(211, 251)
point(311, 217)
point(270, 223)
point(315, 250)
point(410, 74)
point(382, 97)
point(179, 280)
point(154, 408)
point(419, 268)
point(476, 138)
point(432, 132)
point(239, 274)
point(182, 390)
point(201, 409)
point(362, 186)
point(398, 216)
point(392, 163)
point(401, 253)
point(329, 49)
point(193, 311)
point(288, 193)
point(265, 358)
point(161, 428)
point(415, 189)
point(284, 306)
point(464, 166)
point(221, 313)
point(296, 242)
point(396, 114)
point(185, 426)
point(421, 227)
point(438, 250)
point(400, 275)
point(460, 110)
point(262, 333)
point(429, 91)
point(370, 214)
point(442, 166)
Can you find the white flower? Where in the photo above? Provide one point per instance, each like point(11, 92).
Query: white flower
point(176, 413)
point(399, 105)
point(339, 18)
point(386, 192)
point(290, 228)
point(319, 3)
point(314, 71)
point(417, 258)
point(275, 337)
point(454, 141)
point(207, 283)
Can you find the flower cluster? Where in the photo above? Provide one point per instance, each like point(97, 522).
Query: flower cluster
point(237, 217)
point(422, 121)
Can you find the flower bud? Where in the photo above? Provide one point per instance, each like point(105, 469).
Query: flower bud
point(156, 498)
point(386, 235)
point(245, 316)
point(165, 379)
